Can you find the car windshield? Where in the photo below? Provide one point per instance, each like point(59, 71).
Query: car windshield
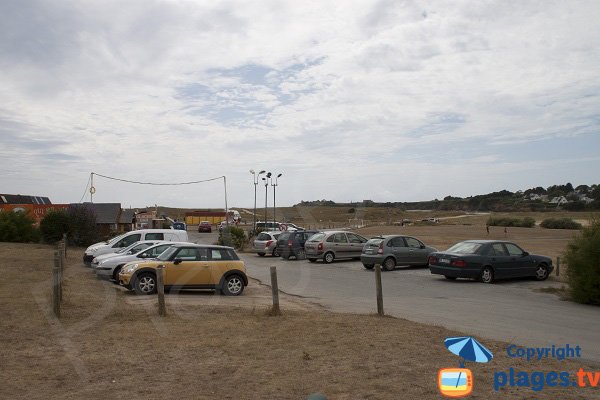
point(465, 248)
point(166, 255)
point(317, 237)
point(115, 239)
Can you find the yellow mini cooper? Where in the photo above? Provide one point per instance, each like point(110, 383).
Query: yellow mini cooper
point(189, 266)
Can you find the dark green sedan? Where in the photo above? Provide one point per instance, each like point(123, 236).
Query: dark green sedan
point(489, 260)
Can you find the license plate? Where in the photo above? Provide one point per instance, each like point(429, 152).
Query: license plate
point(444, 261)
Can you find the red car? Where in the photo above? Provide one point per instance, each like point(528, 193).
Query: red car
point(205, 226)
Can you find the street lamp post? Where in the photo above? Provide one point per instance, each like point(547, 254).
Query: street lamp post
point(255, 181)
point(274, 187)
point(266, 186)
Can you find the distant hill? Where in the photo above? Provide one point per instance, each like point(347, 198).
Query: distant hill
point(556, 197)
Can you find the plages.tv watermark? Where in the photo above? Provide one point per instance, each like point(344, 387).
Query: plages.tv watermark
point(539, 380)
point(459, 382)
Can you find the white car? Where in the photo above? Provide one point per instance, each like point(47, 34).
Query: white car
point(129, 238)
point(131, 249)
point(110, 267)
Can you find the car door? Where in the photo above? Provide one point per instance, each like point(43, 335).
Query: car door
point(341, 245)
point(522, 265)
point(499, 259)
point(357, 243)
point(417, 253)
point(399, 250)
point(189, 267)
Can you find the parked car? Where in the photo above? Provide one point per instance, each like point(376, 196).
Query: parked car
point(489, 260)
point(391, 250)
point(331, 245)
point(189, 266)
point(266, 243)
point(128, 238)
point(291, 244)
point(110, 267)
point(262, 226)
point(205, 226)
point(132, 249)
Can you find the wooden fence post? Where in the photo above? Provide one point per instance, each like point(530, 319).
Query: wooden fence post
point(65, 242)
point(56, 285)
point(160, 288)
point(557, 266)
point(275, 291)
point(379, 289)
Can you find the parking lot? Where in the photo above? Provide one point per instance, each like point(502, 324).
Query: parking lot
point(508, 310)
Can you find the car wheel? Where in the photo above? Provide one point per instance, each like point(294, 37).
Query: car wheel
point(115, 274)
point(451, 278)
point(389, 264)
point(312, 260)
point(368, 266)
point(275, 252)
point(487, 275)
point(541, 273)
point(233, 285)
point(261, 254)
point(145, 284)
point(301, 254)
point(329, 257)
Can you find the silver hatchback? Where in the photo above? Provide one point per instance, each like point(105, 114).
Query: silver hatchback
point(332, 245)
point(266, 243)
point(391, 250)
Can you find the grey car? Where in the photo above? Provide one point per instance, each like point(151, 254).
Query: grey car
point(391, 250)
point(332, 245)
point(266, 243)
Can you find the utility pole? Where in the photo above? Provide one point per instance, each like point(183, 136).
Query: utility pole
point(274, 187)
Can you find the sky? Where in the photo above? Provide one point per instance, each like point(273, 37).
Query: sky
point(348, 100)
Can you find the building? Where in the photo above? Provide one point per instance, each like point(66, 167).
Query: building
point(23, 199)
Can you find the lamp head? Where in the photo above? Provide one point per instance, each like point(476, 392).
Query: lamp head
point(279, 175)
point(252, 172)
point(268, 174)
point(261, 172)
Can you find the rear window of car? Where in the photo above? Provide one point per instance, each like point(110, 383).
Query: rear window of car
point(374, 242)
point(316, 237)
point(465, 248)
point(263, 236)
point(284, 236)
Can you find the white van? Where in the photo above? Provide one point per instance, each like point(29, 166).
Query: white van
point(128, 238)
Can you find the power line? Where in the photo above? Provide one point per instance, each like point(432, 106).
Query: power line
point(86, 188)
point(158, 184)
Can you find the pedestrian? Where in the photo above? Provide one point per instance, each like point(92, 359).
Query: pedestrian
point(487, 228)
point(505, 232)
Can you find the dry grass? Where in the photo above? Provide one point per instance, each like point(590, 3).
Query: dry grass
point(106, 347)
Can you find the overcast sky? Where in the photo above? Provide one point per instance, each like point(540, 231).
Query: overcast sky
point(349, 100)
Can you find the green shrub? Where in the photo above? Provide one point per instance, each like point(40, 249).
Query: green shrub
point(232, 236)
point(526, 222)
point(79, 223)
point(54, 224)
point(583, 260)
point(83, 230)
point(17, 227)
point(560, 223)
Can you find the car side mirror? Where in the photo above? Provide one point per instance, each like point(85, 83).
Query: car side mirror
point(422, 246)
point(177, 261)
point(130, 252)
point(525, 254)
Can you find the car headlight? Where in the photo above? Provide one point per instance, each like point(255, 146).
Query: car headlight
point(129, 268)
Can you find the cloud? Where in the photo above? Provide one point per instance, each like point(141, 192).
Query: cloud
point(336, 96)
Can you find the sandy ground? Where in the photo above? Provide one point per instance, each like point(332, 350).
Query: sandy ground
point(109, 344)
